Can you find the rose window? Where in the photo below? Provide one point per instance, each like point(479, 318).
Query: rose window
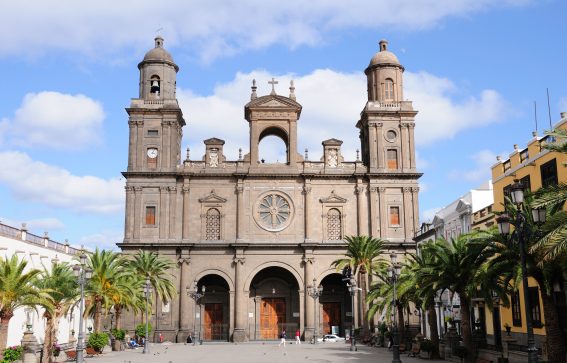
point(273, 212)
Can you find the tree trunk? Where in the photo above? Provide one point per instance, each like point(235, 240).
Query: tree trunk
point(466, 327)
point(48, 339)
point(401, 325)
point(4, 323)
point(556, 349)
point(97, 315)
point(362, 279)
point(432, 321)
point(117, 316)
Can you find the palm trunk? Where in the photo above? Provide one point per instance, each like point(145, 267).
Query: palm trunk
point(48, 339)
point(117, 316)
point(466, 327)
point(432, 321)
point(362, 285)
point(4, 323)
point(401, 325)
point(555, 343)
point(97, 315)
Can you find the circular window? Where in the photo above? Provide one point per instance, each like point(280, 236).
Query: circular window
point(391, 135)
point(273, 211)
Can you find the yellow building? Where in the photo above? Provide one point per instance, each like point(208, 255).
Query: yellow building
point(535, 167)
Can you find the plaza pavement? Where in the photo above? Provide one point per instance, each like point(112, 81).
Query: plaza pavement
point(253, 352)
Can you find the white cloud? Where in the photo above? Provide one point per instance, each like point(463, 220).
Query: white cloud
point(35, 226)
point(481, 171)
point(440, 116)
point(57, 187)
point(331, 102)
point(105, 239)
point(47, 118)
point(562, 104)
point(429, 214)
point(216, 28)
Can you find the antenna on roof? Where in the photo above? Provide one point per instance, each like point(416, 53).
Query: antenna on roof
point(535, 115)
point(549, 110)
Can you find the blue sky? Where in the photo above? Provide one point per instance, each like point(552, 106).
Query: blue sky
point(473, 70)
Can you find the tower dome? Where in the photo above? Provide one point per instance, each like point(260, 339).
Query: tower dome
point(158, 53)
point(157, 73)
point(384, 56)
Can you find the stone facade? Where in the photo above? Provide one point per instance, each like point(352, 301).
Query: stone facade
point(257, 235)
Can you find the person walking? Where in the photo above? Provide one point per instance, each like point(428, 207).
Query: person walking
point(297, 337)
point(282, 338)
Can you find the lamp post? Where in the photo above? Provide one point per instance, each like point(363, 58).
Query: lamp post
point(393, 273)
point(196, 295)
point(521, 228)
point(315, 292)
point(352, 290)
point(83, 273)
point(147, 292)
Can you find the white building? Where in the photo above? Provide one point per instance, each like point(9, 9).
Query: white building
point(40, 252)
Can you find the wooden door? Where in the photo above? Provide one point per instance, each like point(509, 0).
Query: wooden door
point(272, 317)
point(213, 321)
point(331, 316)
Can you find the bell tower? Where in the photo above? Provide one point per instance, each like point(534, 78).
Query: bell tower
point(155, 117)
point(387, 121)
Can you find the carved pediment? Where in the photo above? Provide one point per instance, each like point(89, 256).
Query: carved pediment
point(213, 141)
point(332, 142)
point(463, 207)
point(273, 101)
point(212, 197)
point(333, 198)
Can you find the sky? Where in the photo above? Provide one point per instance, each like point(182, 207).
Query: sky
point(473, 69)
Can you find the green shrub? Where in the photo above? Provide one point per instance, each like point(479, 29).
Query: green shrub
point(118, 334)
point(427, 345)
point(97, 341)
point(12, 354)
point(141, 330)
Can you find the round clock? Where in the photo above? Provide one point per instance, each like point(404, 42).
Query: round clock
point(152, 153)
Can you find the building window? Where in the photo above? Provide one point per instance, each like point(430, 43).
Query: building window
point(394, 216)
point(392, 156)
point(549, 173)
point(508, 191)
point(212, 228)
point(507, 165)
point(389, 90)
point(153, 133)
point(334, 224)
point(525, 181)
point(524, 155)
point(534, 306)
point(151, 215)
point(516, 311)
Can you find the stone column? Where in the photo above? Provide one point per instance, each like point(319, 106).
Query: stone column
point(30, 346)
point(162, 212)
point(137, 212)
point(309, 321)
point(130, 209)
point(411, 127)
point(239, 334)
point(374, 214)
point(307, 210)
point(379, 145)
point(185, 218)
point(132, 141)
point(373, 147)
point(171, 220)
point(140, 152)
point(415, 204)
point(359, 190)
point(408, 214)
point(239, 209)
point(383, 212)
point(166, 149)
point(184, 303)
point(405, 147)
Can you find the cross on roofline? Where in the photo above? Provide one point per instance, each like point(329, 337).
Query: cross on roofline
point(273, 82)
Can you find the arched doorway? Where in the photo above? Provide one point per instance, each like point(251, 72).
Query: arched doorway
point(274, 293)
point(336, 306)
point(214, 308)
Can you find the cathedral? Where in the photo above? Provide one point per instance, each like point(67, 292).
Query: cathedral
point(252, 240)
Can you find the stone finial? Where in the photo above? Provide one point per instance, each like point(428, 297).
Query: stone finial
point(534, 134)
point(383, 45)
point(66, 242)
point(357, 155)
point(159, 41)
point(291, 90)
point(273, 82)
point(498, 158)
point(306, 154)
point(254, 95)
point(46, 234)
point(24, 227)
point(187, 157)
point(239, 153)
point(515, 146)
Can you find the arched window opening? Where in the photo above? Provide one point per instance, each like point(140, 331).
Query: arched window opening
point(272, 149)
point(155, 85)
point(213, 226)
point(389, 90)
point(334, 224)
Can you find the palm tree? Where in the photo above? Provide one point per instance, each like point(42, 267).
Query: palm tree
point(362, 256)
point(126, 296)
point(107, 267)
point(17, 289)
point(455, 266)
point(61, 286)
point(151, 265)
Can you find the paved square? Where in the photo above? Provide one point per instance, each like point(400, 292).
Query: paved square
point(252, 352)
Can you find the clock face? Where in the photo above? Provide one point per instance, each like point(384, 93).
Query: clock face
point(152, 153)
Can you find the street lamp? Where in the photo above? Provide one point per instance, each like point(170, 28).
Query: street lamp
point(196, 295)
point(83, 273)
point(521, 229)
point(315, 292)
point(147, 293)
point(351, 284)
point(393, 273)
